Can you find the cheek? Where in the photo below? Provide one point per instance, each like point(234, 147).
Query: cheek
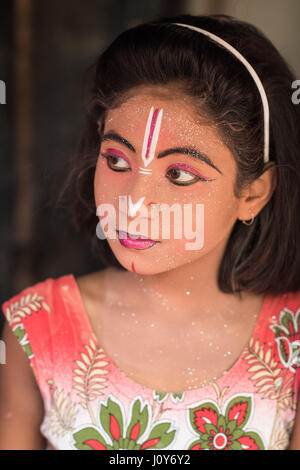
point(220, 214)
point(99, 185)
point(104, 184)
point(212, 217)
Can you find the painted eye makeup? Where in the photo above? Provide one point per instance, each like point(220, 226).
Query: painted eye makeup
point(116, 160)
point(183, 175)
point(179, 174)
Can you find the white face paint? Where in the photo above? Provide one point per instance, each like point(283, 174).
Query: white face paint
point(133, 208)
point(151, 138)
point(181, 128)
point(148, 151)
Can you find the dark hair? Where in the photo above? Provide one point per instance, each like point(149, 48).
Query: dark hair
point(263, 257)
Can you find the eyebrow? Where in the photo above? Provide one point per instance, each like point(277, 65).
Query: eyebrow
point(185, 150)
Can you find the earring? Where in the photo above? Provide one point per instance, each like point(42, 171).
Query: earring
point(248, 222)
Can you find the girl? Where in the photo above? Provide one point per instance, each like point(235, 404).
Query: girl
point(187, 339)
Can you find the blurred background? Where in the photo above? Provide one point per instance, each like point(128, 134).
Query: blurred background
point(45, 48)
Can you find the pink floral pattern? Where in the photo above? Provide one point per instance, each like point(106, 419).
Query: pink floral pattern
point(90, 404)
point(224, 431)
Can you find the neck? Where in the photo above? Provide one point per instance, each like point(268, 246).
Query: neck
point(186, 290)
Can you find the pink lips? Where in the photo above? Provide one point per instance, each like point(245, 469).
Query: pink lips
point(139, 243)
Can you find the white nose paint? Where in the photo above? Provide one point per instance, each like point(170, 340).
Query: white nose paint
point(148, 151)
point(133, 208)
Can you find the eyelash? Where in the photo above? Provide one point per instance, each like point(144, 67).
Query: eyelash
point(107, 156)
point(196, 177)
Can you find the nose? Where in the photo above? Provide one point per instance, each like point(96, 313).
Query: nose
point(141, 196)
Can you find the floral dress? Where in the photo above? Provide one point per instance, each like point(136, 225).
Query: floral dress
point(91, 404)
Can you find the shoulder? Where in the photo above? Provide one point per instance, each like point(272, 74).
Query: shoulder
point(285, 327)
point(21, 401)
point(293, 299)
point(98, 288)
point(283, 308)
point(90, 284)
point(39, 318)
point(32, 315)
point(282, 321)
point(33, 299)
point(284, 313)
point(94, 283)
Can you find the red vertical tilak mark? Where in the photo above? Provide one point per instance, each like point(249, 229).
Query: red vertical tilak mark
point(132, 267)
point(152, 127)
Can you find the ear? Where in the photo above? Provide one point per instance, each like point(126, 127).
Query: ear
point(257, 194)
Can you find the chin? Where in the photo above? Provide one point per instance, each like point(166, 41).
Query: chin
point(132, 263)
point(145, 265)
point(153, 260)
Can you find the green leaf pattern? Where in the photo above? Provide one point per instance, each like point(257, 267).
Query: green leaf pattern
point(287, 337)
point(212, 426)
point(131, 437)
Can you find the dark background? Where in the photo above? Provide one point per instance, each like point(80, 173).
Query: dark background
point(45, 48)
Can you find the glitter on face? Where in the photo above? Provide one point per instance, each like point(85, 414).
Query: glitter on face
point(227, 353)
point(153, 293)
point(151, 135)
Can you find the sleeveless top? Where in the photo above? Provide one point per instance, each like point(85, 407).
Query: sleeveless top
point(91, 404)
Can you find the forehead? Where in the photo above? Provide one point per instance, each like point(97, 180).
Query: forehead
point(179, 119)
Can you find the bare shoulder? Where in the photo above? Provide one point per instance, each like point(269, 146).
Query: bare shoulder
point(92, 285)
point(101, 283)
point(21, 403)
point(100, 289)
point(87, 282)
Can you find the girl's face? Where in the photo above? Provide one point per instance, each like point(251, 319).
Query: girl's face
point(156, 154)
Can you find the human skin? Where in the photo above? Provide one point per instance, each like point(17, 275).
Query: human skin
point(169, 266)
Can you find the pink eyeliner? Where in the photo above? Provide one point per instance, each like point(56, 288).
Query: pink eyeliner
point(183, 166)
point(116, 152)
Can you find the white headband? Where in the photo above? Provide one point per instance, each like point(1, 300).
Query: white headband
point(255, 78)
